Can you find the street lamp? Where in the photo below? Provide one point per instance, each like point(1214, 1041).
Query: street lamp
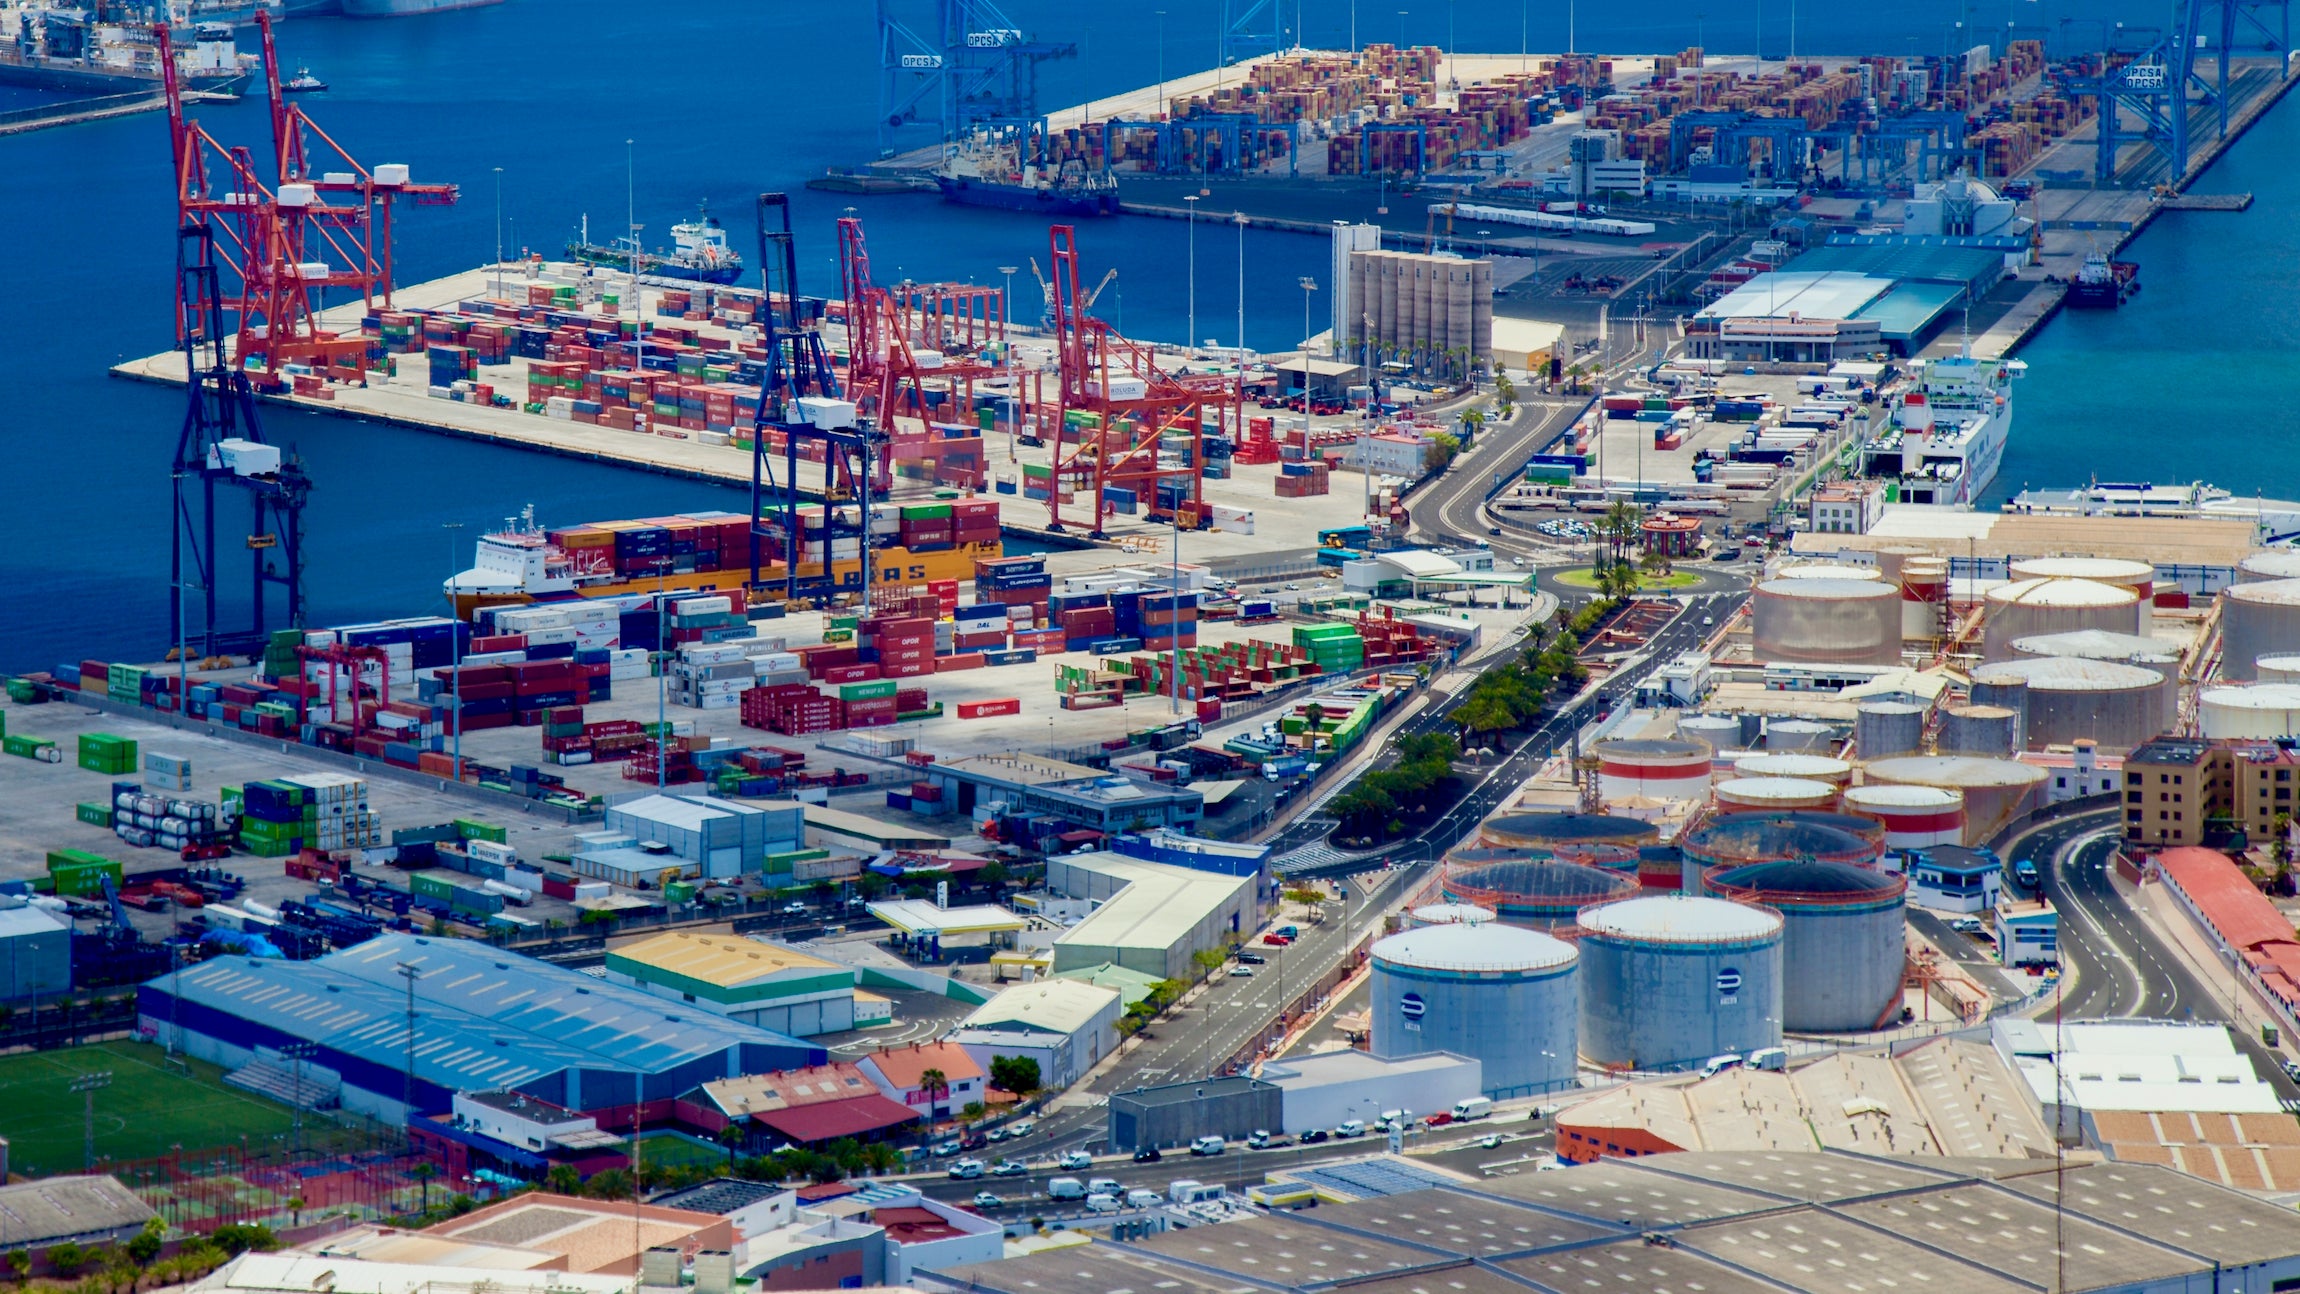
point(87, 1085)
point(1309, 285)
point(408, 972)
point(299, 1052)
point(1161, 65)
point(1190, 342)
point(499, 232)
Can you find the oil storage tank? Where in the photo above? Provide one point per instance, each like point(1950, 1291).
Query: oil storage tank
point(1995, 791)
point(2027, 608)
point(1843, 949)
point(1733, 839)
point(1812, 768)
point(1504, 995)
point(2269, 564)
point(1826, 622)
point(1553, 831)
point(1827, 571)
point(1914, 817)
point(1979, 730)
point(1883, 728)
point(2063, 698)
point(2137, 577)
point(1670, 980)
point(1653, 768)
point(1539, 893)
point(2256, 620)
point(1773, 795)
point(2263, 710)
point(1924, 597)
point(2277, 669)
point(2099, 644)
point(1448, 914)
point(1790, 736)
point(1722, 732)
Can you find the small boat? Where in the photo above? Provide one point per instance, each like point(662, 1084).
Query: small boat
point(303, 82)
point(2103, 284)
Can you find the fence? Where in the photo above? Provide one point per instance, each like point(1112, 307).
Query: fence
point(201, 1191)
point(69, 1023)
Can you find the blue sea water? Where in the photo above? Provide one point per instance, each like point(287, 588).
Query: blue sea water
point(723, 99)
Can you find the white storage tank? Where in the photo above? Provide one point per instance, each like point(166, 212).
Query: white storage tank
point(1792, 736)
point(1995, 791)
point(2137, 577)
point(2263, 710)
point(1449, 914)
point(1826, 622)
point(1722, 732)
point(2027, 608)
point(1914, 817)
point(1924, 597)
point(1502, 994)
point(1653, 768)
point(2269, 564)
point(1774, 795)
point(2256, 620)
point(2062, 699)
point(1670, 980)
point(1817, 768)
point(1884, 728)
point(1979, 730)
point(2277, 669)
point(1827, 571)
point(2098, 644)
point(1844, 950)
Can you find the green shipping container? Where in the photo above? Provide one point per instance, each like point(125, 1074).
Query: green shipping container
point(28, 747)
point(875, 690)
point(95, 815)
point(476, 830)
point(678, 891)
point(431, 887)
point(66, 859)
point(101, 752)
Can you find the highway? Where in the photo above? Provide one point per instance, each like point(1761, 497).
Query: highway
point(1452, 504)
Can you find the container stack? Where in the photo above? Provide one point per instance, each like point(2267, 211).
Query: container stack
point(711, 676)
point(794, 709)
point(900, 646)
point(1301, 480)
point(169, 773)
point(149, 821)
point(101, 752)
point(74, 873)
point(1169, 621)
point(869, 704)
point(1334, 649)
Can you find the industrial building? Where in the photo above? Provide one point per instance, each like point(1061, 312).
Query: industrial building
point(802, 1107)
point(603, 1237)
point(2248, 932)
point(1954, 878)
point(1148, 917)
point(937, 1077)
point(1672, 980)
point(1843, 940)
point(35, 952)
point(89, 1210)
point(749, 980)
point(1330, 1088)
point(1037, 784)
point(482, 1018)
point(1176, 1114)
point(718, 838)
point(1064, 1025)
point(1855, 296)
point(1503, 995)
point(2161, 1067)
point(1430, 311)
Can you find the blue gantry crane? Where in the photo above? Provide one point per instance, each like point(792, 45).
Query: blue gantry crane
point(1243, 34)
point(962, 65)
point(2163, 85)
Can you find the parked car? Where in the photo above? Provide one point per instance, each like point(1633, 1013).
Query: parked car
point(1253, 959)
point(943, 1149)
point(1021, 1127)
point(1276, 940)
point(1242, 972)
point(1314, 1136)
point(1438, 1120)
point(1147, 1155)
point(1354, 1128)
point(985, 1200)
point(1009, 1168)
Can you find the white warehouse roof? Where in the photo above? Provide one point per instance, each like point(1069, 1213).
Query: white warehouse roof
point(1049, 1006)
point(1834, 294)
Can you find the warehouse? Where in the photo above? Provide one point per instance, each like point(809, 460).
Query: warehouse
point(1330, 1088)
point(748, 980)
point(720, 838)
point(483, 1019)
point(1089, 797)
point(1149, 917)
point(1176, 1114)
point(35, 954)
point(1064, 1025)
point(92, 1210)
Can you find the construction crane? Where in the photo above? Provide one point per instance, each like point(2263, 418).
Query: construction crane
point(1430, 229)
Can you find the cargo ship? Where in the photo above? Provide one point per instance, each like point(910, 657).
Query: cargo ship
point(526, 562)
point(699, 253)
point(988, 171)
point(1946, 436)
point(2103, 284)
point(64, 50)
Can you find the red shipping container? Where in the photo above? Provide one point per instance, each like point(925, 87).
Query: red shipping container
point(946, 664)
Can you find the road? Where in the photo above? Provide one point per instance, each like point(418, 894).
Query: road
point(1452, 504)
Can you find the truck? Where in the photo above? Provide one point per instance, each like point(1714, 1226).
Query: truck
point(1774, 1059)
point(1472, 1107)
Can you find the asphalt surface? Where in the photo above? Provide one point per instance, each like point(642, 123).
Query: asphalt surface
point(1453, 505)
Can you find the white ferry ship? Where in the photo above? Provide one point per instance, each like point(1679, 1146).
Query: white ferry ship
point(1946, 437)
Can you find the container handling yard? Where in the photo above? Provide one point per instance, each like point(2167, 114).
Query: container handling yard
point(1652, 751)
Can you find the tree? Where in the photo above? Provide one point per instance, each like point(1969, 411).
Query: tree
point(1443, 448)
point(613, 1184)
point(881, 1158)
point(295, 1206)
point(1016, 1074)
point(972, 1110)
point(1207, 960)
point(1305, 895)
point(68, 1257)
point(563, 1180)
point(20, 1262)
point(423, 1173)
point(1313, 716)
point(993, 874)
point(236, 1238)
point(145, 1245)
point(936, 1085)
point(732, 1137)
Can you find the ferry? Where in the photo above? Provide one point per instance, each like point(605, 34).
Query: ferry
point(1946, 436)
point(2277, 521)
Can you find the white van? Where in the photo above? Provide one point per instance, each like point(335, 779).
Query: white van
point(1769, 1058)
point(1391, 1119)
point(1142, 1199)
point(1475, 1107)
point(1105, 1186)
point(1353, 1128)
point(1066, 1188)
point(1102, 1204)
point(1208, 1145)
point(1719, 1064)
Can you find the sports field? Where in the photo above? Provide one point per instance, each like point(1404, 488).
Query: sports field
point(146, 1111)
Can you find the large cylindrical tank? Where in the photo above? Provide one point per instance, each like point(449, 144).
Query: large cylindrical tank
point(2277, 669)
point(2257, 620)
point(1996, 790)
point(1826, 571)
point(1924, 595)
point(1552, 831)
point(2096, 644)
point(1843, 947)
point(1893, 560)
point(1652, 768)
point(2026, 608)
point(1885, 728)
point(1795, 735)
point(2266, 710)
point(1729, 840)
point(1816, 768)
point(1448, 914)
point(1722, 732)
point(1536, 893)
point(1826, 622)
point(1914, 817)
point(2062, 699)
point(1773, 795)
point(1671, 980)
point(2269, 564)
point(1504, 995)
point(2138, 577)
point(1979, 730)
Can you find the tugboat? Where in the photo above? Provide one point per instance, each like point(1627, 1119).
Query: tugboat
point(2103, 284)
point(699, 253)
point(303, 82)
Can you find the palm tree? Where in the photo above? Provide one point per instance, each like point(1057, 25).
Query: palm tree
point(936, 1085)
point(731, 1137)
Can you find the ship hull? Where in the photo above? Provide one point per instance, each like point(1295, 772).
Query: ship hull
point(407, 8)
point(655, 267)
point(1015, 197)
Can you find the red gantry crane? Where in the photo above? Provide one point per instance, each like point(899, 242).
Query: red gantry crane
point(914, 355)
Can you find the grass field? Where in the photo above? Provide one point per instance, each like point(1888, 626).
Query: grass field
point(146, 1111)
point(1583, 578)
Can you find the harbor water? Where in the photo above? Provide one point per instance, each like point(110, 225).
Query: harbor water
point(723, 99)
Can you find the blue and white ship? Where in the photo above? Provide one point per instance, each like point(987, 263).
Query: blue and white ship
point(1946, 436)
point(990, 171)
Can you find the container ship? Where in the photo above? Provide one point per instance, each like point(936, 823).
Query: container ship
point(526, 562)
point(2103, 284)
point(988, 171)
point(1946, 437)
point(64, 50)
point(699, 253)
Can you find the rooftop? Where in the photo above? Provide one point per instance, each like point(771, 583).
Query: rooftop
point(758, 1093)
point(904, 1066)
point(591, 1235)
point(721, 1195)
point(1051, 1006)
point(921, 917)
point(723, 961)
point(1951, 532)
point(290, 1272)
point(1159, 905)
point(60, 1208)
point(1190, 1093)
point(1460, 1223)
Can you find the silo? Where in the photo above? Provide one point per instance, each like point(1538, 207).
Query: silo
point(1979, 730)
point(1537, 893)
point(1793, 735)
point(1883, 728)
point(1843, 947)
point(2138, 577)
point(1504, 995)
point(1914, 817)
point(2062, 699)
point(1924, 597)
point(1652, 768)
point(1826, 622)
point(2278, 669)
point(1722, 732)
point(1995, 790)
point(1816, 768)
point(2257, 620)
point(2027, 608)
point(2269, 564)
point(1448, 914)
point(1733, 839)
point(1551, 831)
point(2264, 710)
point(1671, 980)
point(1774, 795)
